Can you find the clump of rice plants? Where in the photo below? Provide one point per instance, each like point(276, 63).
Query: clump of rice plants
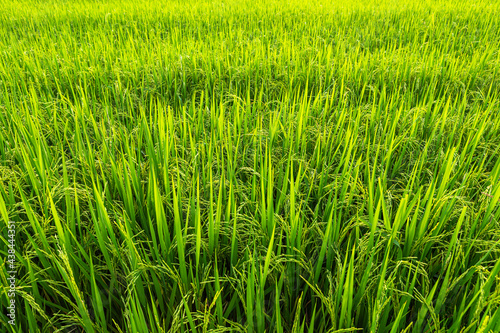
point(250, 166)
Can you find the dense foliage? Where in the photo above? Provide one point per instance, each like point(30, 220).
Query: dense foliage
point(278, 166)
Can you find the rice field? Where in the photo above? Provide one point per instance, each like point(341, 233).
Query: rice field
point(250, 166)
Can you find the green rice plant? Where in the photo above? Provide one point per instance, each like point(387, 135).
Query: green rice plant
point(250, 166)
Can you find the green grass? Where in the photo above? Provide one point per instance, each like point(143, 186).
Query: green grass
point(260, 166)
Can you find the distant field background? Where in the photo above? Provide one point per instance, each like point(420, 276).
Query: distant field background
point(251, 166)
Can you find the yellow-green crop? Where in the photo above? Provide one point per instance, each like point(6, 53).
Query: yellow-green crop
point(250, 166)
